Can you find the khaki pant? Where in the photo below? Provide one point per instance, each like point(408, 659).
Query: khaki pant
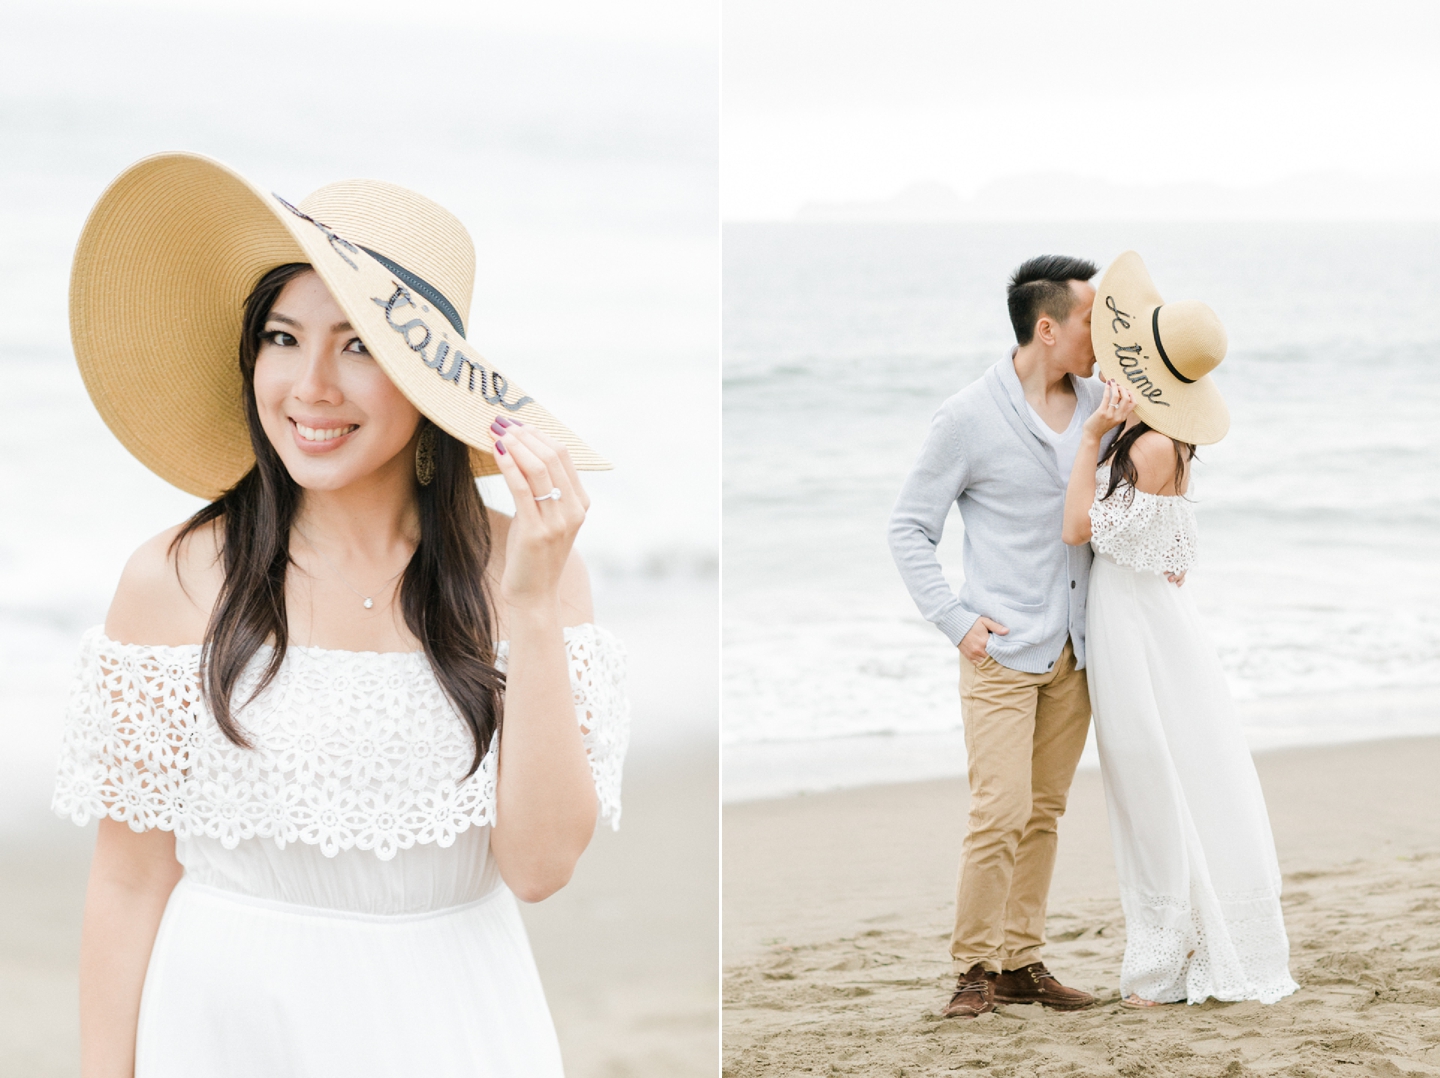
point(1024, 734)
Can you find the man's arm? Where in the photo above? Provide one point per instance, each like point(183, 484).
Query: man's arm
point(918, 521)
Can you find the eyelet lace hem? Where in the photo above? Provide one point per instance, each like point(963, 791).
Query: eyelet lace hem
point(357, 750)
point(1229, 946)
point(1146, 532)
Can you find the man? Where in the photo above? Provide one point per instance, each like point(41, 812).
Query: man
point(1002, 450)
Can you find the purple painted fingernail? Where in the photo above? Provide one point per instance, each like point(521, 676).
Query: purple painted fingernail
point(500, 447)
point(497, 428)
point(502, 421)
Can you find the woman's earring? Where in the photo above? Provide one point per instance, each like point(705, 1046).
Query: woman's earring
point(425, 456)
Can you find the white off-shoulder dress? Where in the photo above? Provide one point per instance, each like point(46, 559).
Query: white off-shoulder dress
point(339, 912)
point(1199, 880)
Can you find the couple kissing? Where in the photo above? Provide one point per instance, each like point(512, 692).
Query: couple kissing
point(1077, 537)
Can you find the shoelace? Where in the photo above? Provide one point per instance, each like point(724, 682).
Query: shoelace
point(971, 986)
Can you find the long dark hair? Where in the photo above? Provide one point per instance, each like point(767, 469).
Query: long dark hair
point(443, 593)
point(1122, 468)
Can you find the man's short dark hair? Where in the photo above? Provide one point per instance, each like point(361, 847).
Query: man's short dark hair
point(1042, 286)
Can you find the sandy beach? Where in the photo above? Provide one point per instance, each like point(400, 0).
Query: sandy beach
point(837, 915)
point(627, 951)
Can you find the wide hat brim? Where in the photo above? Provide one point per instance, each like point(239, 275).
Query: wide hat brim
point(1122, 331)
point(157, 294)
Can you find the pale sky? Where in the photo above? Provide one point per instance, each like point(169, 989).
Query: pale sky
point(854, 100)
point(687, 22)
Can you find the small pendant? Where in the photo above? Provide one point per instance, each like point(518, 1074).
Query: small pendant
point(369, 603)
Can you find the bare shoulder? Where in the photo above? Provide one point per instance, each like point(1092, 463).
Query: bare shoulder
point(1154, 456)
point(576, 603)
point(167, 591)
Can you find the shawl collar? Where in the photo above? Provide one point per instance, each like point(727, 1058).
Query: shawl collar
point(1009, 396)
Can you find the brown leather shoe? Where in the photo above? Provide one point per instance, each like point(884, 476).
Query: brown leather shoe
point(1036, 984)
point(974, 994)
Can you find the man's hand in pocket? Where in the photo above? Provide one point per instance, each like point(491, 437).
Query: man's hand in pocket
point(972, 646)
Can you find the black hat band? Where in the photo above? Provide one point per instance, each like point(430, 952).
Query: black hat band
point(419, 284)
point(1155, 328)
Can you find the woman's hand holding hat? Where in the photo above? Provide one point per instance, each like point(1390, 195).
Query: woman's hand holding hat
point(1114, 409)
point(550, 506)
point(1162, 352)
point(399, 265)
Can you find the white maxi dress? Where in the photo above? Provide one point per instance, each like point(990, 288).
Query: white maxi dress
point(339, 912)
point(1199, 880)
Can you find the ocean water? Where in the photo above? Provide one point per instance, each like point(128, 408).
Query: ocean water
point(586, 173)
point(1319, 514)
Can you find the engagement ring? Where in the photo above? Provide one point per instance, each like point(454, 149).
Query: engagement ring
point(554, 495)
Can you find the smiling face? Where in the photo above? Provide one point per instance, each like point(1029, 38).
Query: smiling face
point(325, 404)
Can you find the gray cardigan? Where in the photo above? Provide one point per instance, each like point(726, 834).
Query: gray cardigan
point(985, 454)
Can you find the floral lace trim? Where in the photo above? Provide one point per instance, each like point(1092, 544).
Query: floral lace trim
point(352, 749)
point(1226, 946)
point(1147, 532)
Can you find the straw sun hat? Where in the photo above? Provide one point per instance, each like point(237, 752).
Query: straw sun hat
point(157, 294)
point(1165, 351)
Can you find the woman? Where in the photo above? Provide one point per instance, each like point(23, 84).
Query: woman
point(292, 723)
point(1199, 880)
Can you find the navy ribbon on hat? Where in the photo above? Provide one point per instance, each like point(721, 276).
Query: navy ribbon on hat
point(1155, 328)
point(413, 280)
point(419, 284)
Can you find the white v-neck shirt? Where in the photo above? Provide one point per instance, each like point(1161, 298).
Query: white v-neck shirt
point(1066, 443)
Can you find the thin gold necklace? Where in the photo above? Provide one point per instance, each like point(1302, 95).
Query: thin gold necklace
point(368, 600)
